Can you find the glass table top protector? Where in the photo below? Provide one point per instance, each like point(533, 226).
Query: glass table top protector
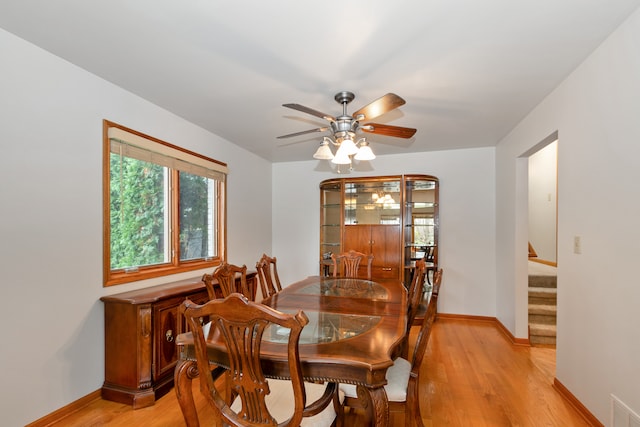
point(345, 287)
point(324, 327)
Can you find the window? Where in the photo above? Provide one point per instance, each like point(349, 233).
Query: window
point(423, 230)
point(164, 208)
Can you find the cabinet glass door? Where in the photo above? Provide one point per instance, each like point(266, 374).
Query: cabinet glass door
point(420, 223)
point(330, 222)
point(372, 202)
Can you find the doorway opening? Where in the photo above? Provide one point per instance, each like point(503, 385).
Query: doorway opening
point(542, 236)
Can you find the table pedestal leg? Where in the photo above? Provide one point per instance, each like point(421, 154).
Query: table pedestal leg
point(186, 371)
point(378, 402)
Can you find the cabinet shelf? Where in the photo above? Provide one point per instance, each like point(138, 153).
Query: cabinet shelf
point(372, 207)
point(418, 205)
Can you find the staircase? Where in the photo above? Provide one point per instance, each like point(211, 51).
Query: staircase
point(542, 308)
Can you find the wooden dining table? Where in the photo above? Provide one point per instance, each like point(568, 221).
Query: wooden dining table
point(354, 333)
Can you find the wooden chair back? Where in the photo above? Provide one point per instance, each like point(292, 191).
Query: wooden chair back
point(415, 293)
point(431, 258)
point(207, 279)
point(242, 323)
point(437, 281)
point(414, 298)
point(226, 275)
point(350, 262)
point(412, 403)
point(430, 253)
point(268, 276)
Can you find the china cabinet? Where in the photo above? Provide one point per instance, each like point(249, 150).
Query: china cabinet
point(395, 218)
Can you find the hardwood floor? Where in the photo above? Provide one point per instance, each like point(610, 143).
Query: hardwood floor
point(472, 376)
point(475, 377)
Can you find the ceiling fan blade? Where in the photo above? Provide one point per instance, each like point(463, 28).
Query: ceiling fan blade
point(304, 132)
point(397, 131)
point(378, 107)
point(310, 111)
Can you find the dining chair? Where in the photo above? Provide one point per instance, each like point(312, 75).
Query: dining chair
point(254, 400)
point(430, 256)
point(402, 377)
point(414, 298)
point(350, 261)
point(268, 276)
point(226, 275)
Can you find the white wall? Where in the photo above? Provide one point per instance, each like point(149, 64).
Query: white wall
point(467, 220)
point(595, 112)
point(51, 116)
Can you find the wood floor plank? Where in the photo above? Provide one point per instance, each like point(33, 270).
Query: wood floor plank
point(472, 376)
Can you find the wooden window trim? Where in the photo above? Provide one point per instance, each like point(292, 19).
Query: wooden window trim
point(175, 266)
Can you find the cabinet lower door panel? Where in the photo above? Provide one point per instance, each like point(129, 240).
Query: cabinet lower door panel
point(383, 241)
point(385, 273)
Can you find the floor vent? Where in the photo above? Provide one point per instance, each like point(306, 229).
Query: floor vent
point(622, 415)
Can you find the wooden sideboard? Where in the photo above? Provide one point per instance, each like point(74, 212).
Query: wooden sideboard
point(139, 343)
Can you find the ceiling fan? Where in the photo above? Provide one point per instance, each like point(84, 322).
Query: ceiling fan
point(344, 128)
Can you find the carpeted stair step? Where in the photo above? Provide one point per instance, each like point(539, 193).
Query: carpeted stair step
point(542, 340)
point(542, 306)
point(543, 281)
point(537, 329)
point(541, 319)
point(543, 309)
point(542, 295)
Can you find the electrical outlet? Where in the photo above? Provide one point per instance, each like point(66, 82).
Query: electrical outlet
point(577, 245)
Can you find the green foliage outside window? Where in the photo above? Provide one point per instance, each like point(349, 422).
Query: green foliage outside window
point(137, 213)
point(194, 217)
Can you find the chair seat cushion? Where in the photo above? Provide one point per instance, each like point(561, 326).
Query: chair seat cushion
point(280, 403)
point(397, 382)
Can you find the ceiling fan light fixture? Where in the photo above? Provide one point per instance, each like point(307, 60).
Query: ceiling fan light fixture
point(323, 152)
point(364, 152)
point(344, 128)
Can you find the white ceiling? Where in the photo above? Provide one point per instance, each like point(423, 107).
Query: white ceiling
point(468, 69)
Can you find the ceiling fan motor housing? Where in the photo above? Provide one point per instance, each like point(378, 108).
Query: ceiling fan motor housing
point(343, 126)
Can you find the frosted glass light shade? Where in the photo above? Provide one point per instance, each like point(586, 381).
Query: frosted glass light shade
point(348, 146)
point(364, 152)
point(323, 152)
point(341, 157)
